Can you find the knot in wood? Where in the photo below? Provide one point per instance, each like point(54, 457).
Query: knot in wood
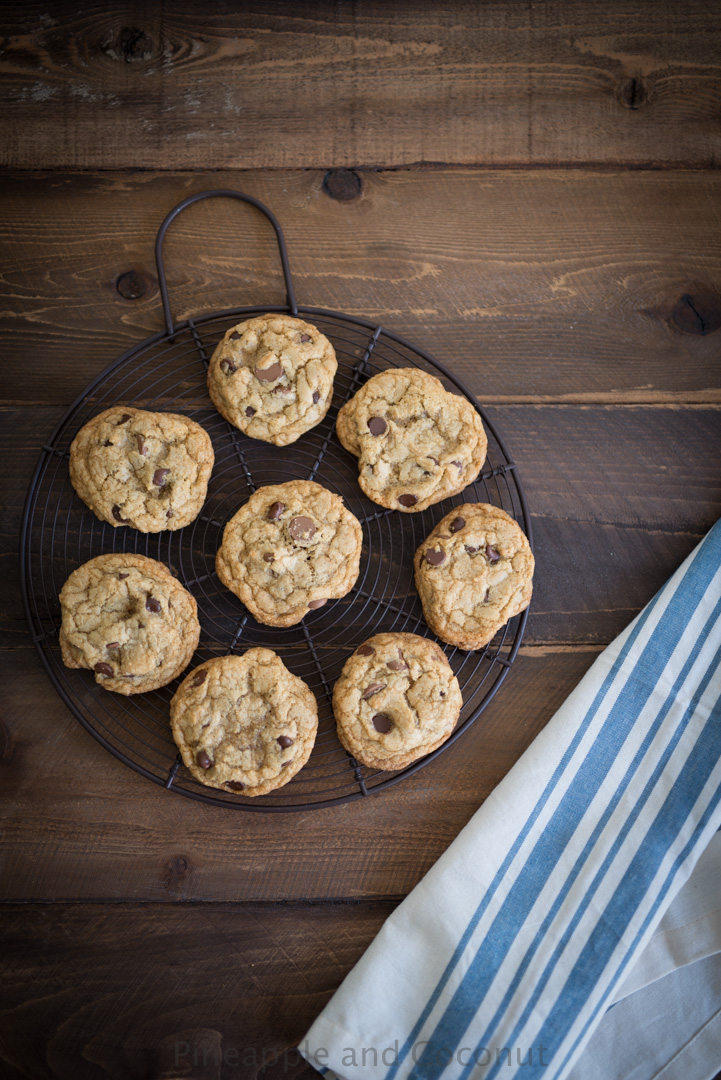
point(343, 185)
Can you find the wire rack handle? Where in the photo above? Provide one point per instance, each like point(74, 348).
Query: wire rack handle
point(230, 194)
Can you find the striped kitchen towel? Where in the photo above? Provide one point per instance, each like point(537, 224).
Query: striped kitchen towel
point(503, 960)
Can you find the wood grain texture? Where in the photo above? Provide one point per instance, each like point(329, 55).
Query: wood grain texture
point(531, 286)
point(78, 824)
point(296, 84)
point(143, 992)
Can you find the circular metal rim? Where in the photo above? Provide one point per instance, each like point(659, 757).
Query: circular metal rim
point(164, 335)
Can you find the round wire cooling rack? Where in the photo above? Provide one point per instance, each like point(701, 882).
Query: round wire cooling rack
point(168, 372)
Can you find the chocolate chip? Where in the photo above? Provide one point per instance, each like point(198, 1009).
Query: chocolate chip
point(108, 443)
point(169, 514)
point(397, 665)
point(159, 476)
point(284, 741)
point(382, 723)
point(457, 524)
point(372, 689)
point(435, 557)
point(151, 604)
point(116, 515)
point(123, 419)
point(141, 626)
point(268, 557)
point(235, 785)
point(315, 604)
point(316, 397)
point(199, 678)
point(408, 500)
point(305, 337)
point(121, 576)
point(203, 759)
point(458, 465)
point(269, 374)
point(377, 425)
point(365, 650)
point(433, 459)
point(302, 528)
point(104, 669)
point(142, 448)
point(472, 550)
point(491, 554)
point(234, 335)
point(275, 511)
point(249, 411)
point(487, 597)
point(282, 390)
point(113, 645)
point(228, 366)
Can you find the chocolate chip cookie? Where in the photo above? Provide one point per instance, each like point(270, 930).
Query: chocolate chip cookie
point(145, 469)
point(289, 550)
point(473, 573)
point(396, 700)
point(244, 723)
point(272, 377)
point(416, 444)
point(127, 618)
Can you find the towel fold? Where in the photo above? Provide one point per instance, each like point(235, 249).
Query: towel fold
point(505, 957)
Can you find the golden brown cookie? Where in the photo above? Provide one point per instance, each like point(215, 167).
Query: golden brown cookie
point(127, 618)
point(272, 377)
point(289, 550)
point(473, 573)
point(244, 723)
point(416, 444)
point(396, 700)
point(149, 470)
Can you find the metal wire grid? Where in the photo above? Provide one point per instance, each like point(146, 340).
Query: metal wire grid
point(167, 372)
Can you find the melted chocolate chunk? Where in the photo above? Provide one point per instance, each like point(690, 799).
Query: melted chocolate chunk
point(234, 335)
point(382, 723)
point(108, 443)
point(151, 604)
point(472, 550)
point(315, 604)
point(159, 476)
point(365, 650)
point(372, 689)
point(113, 645)
point(200, 678)
point(433, 459)
point(487, 597)
point(249, 410)
point(435, 557)
point(142, 448)
point(116, 515)
point(235, 785)
point(275, 511)
point(491, 554)
point(268, 557)
point(302, 528)
point(282, 390)
point(123, 419)
point(457, 524)
point(305, 337)
point(377, 425)
point(104, 669)
point(408, 500)
point(398, 665)
point(316, 397)
point(284, 741)
point(203, 760)
point(169, 514)
point(122, 576)
point(228, 366)
point(269, 374)
point(458, 465)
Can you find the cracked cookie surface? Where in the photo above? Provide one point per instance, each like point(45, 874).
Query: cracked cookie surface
point(127, 618)
point(396, 700)
point(289, 550)
point(272, 377)
point(149, 470)
point(473, 573)
point(244, 723)
point(416, 443)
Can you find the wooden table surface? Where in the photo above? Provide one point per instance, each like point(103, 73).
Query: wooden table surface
point(528, 191)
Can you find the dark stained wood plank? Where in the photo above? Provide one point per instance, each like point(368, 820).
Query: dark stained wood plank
point(536, 286)
point(78, 824)
point(618, 497)
point(295, 84)
point(149, 992)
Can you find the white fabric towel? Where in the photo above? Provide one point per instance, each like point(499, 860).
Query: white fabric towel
point(504, 959)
